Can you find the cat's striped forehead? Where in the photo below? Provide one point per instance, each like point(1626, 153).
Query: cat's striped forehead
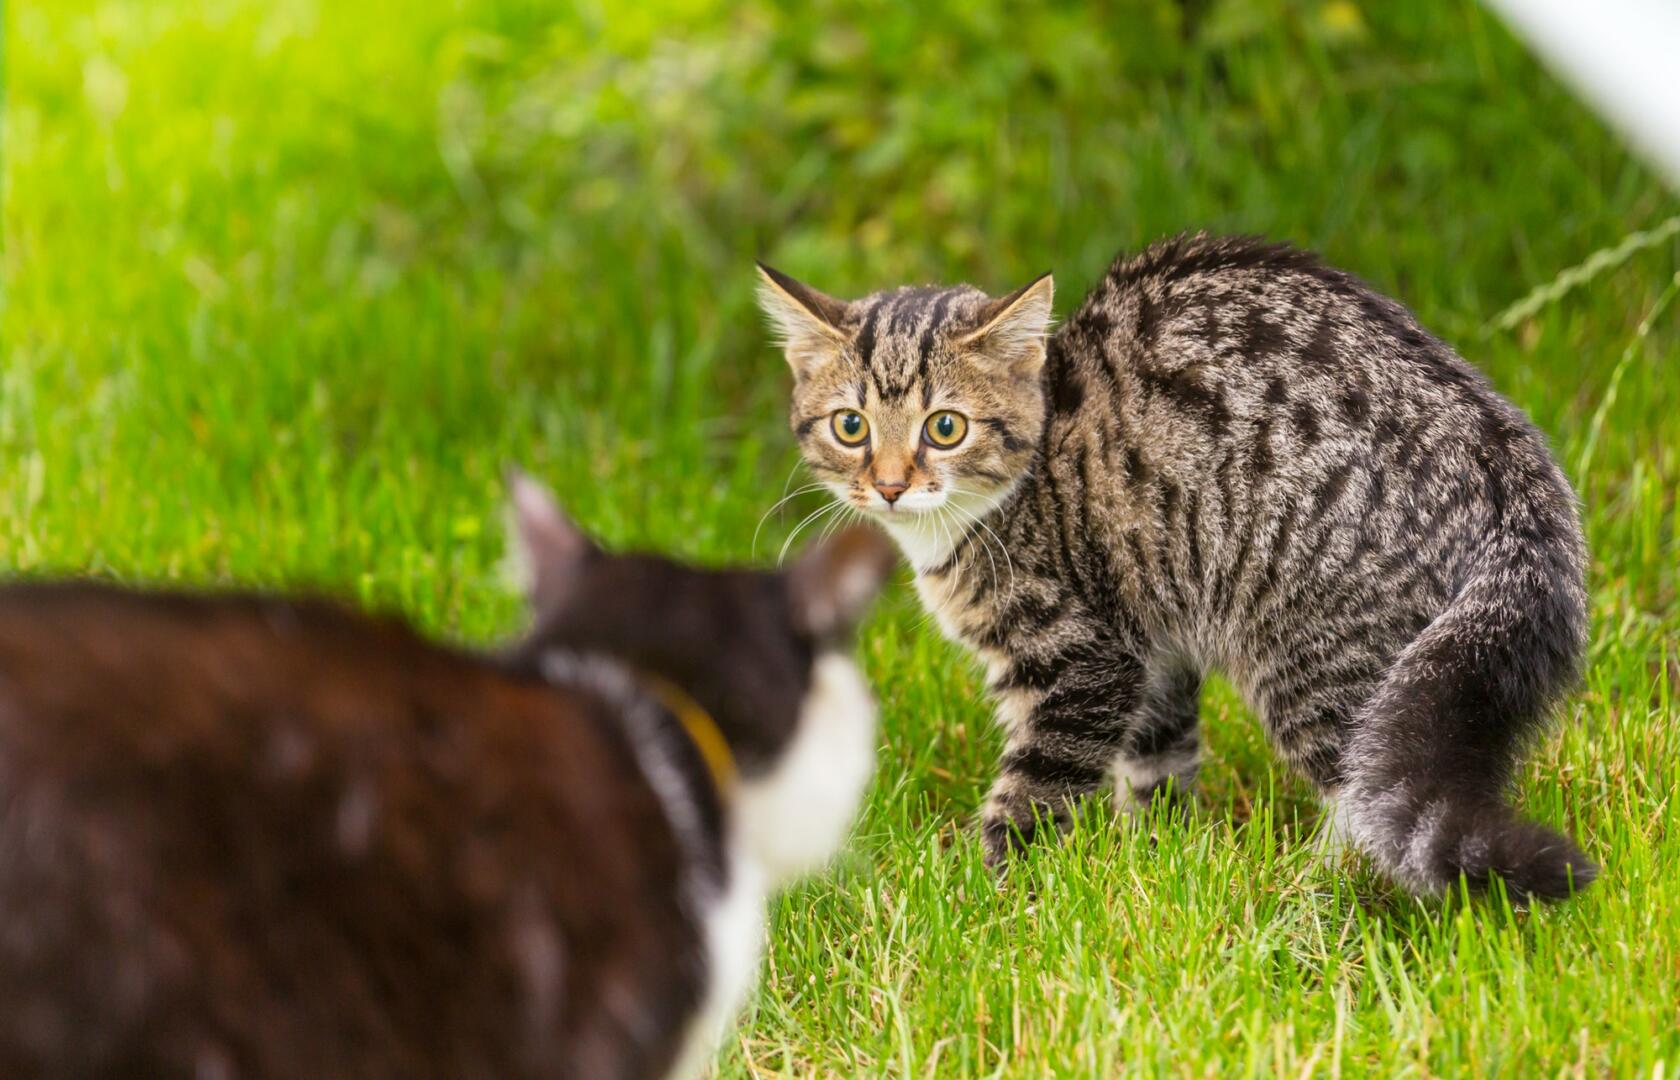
point(900, 335)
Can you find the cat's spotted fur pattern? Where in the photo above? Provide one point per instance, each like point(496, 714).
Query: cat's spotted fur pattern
point(1229, 457)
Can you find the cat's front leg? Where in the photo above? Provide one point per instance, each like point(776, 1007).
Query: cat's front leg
point(1068, 712)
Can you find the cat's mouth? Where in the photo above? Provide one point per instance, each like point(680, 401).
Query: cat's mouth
point(909, 504)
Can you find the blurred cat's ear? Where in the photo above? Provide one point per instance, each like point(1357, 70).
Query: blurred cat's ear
point(1012, 328)
point(834, 582)
point(545, 549)
point(806, 322)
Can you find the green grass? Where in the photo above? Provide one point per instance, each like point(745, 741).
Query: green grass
point(287, 282)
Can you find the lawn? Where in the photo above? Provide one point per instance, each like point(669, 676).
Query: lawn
point(287, 282)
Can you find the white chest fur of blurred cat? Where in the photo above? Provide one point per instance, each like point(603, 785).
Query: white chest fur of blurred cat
point(784, 825)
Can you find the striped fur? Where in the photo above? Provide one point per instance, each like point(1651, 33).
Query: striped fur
point(1229, 457)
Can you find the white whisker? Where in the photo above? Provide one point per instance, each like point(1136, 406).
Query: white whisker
point(979, 520)
point(817, 515)
point(985, 543)
point(847, 513)
point(779, 503)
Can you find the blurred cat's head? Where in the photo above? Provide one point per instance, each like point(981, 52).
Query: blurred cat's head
point(919, 406)
point(767, 654)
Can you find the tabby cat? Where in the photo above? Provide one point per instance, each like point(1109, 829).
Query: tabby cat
point(1230, 456)
point(244, 836)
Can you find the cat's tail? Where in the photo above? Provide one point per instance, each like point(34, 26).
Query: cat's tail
point(1432, 754)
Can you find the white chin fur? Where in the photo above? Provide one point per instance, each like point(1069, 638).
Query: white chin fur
point(926, 537)
point(795, 817)
point(911, 502)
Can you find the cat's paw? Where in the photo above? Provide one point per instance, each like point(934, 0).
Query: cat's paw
point(1003, 838)
point(1170, 795)
point(1009, 826)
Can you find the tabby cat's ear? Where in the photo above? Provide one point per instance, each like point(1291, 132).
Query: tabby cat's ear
point(1012, 328)
point(805, 321)
point(835, 581)
point(546, 550)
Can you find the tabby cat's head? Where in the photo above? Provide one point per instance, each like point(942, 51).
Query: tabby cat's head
point(918, 402)
point(767, 654)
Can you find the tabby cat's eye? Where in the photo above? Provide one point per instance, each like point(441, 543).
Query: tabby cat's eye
point(850, 427)
point(945, 429)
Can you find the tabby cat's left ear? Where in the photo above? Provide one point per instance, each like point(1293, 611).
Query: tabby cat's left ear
point(1012, 328)
point(805, 321)
point(547, 551)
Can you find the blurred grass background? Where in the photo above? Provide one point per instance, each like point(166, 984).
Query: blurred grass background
point(286, 282)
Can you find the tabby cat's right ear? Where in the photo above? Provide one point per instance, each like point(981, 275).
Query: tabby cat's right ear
point(805, 321)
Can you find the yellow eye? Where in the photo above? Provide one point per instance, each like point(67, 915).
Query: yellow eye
point(850, 427)
point(945, 429)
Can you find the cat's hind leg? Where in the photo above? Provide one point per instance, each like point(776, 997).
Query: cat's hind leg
point(1160, 755)
point(1308, 716)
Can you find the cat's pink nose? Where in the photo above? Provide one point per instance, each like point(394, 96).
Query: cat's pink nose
point(891, 489)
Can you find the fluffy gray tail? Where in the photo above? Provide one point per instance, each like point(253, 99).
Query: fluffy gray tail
point(1434, 751)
